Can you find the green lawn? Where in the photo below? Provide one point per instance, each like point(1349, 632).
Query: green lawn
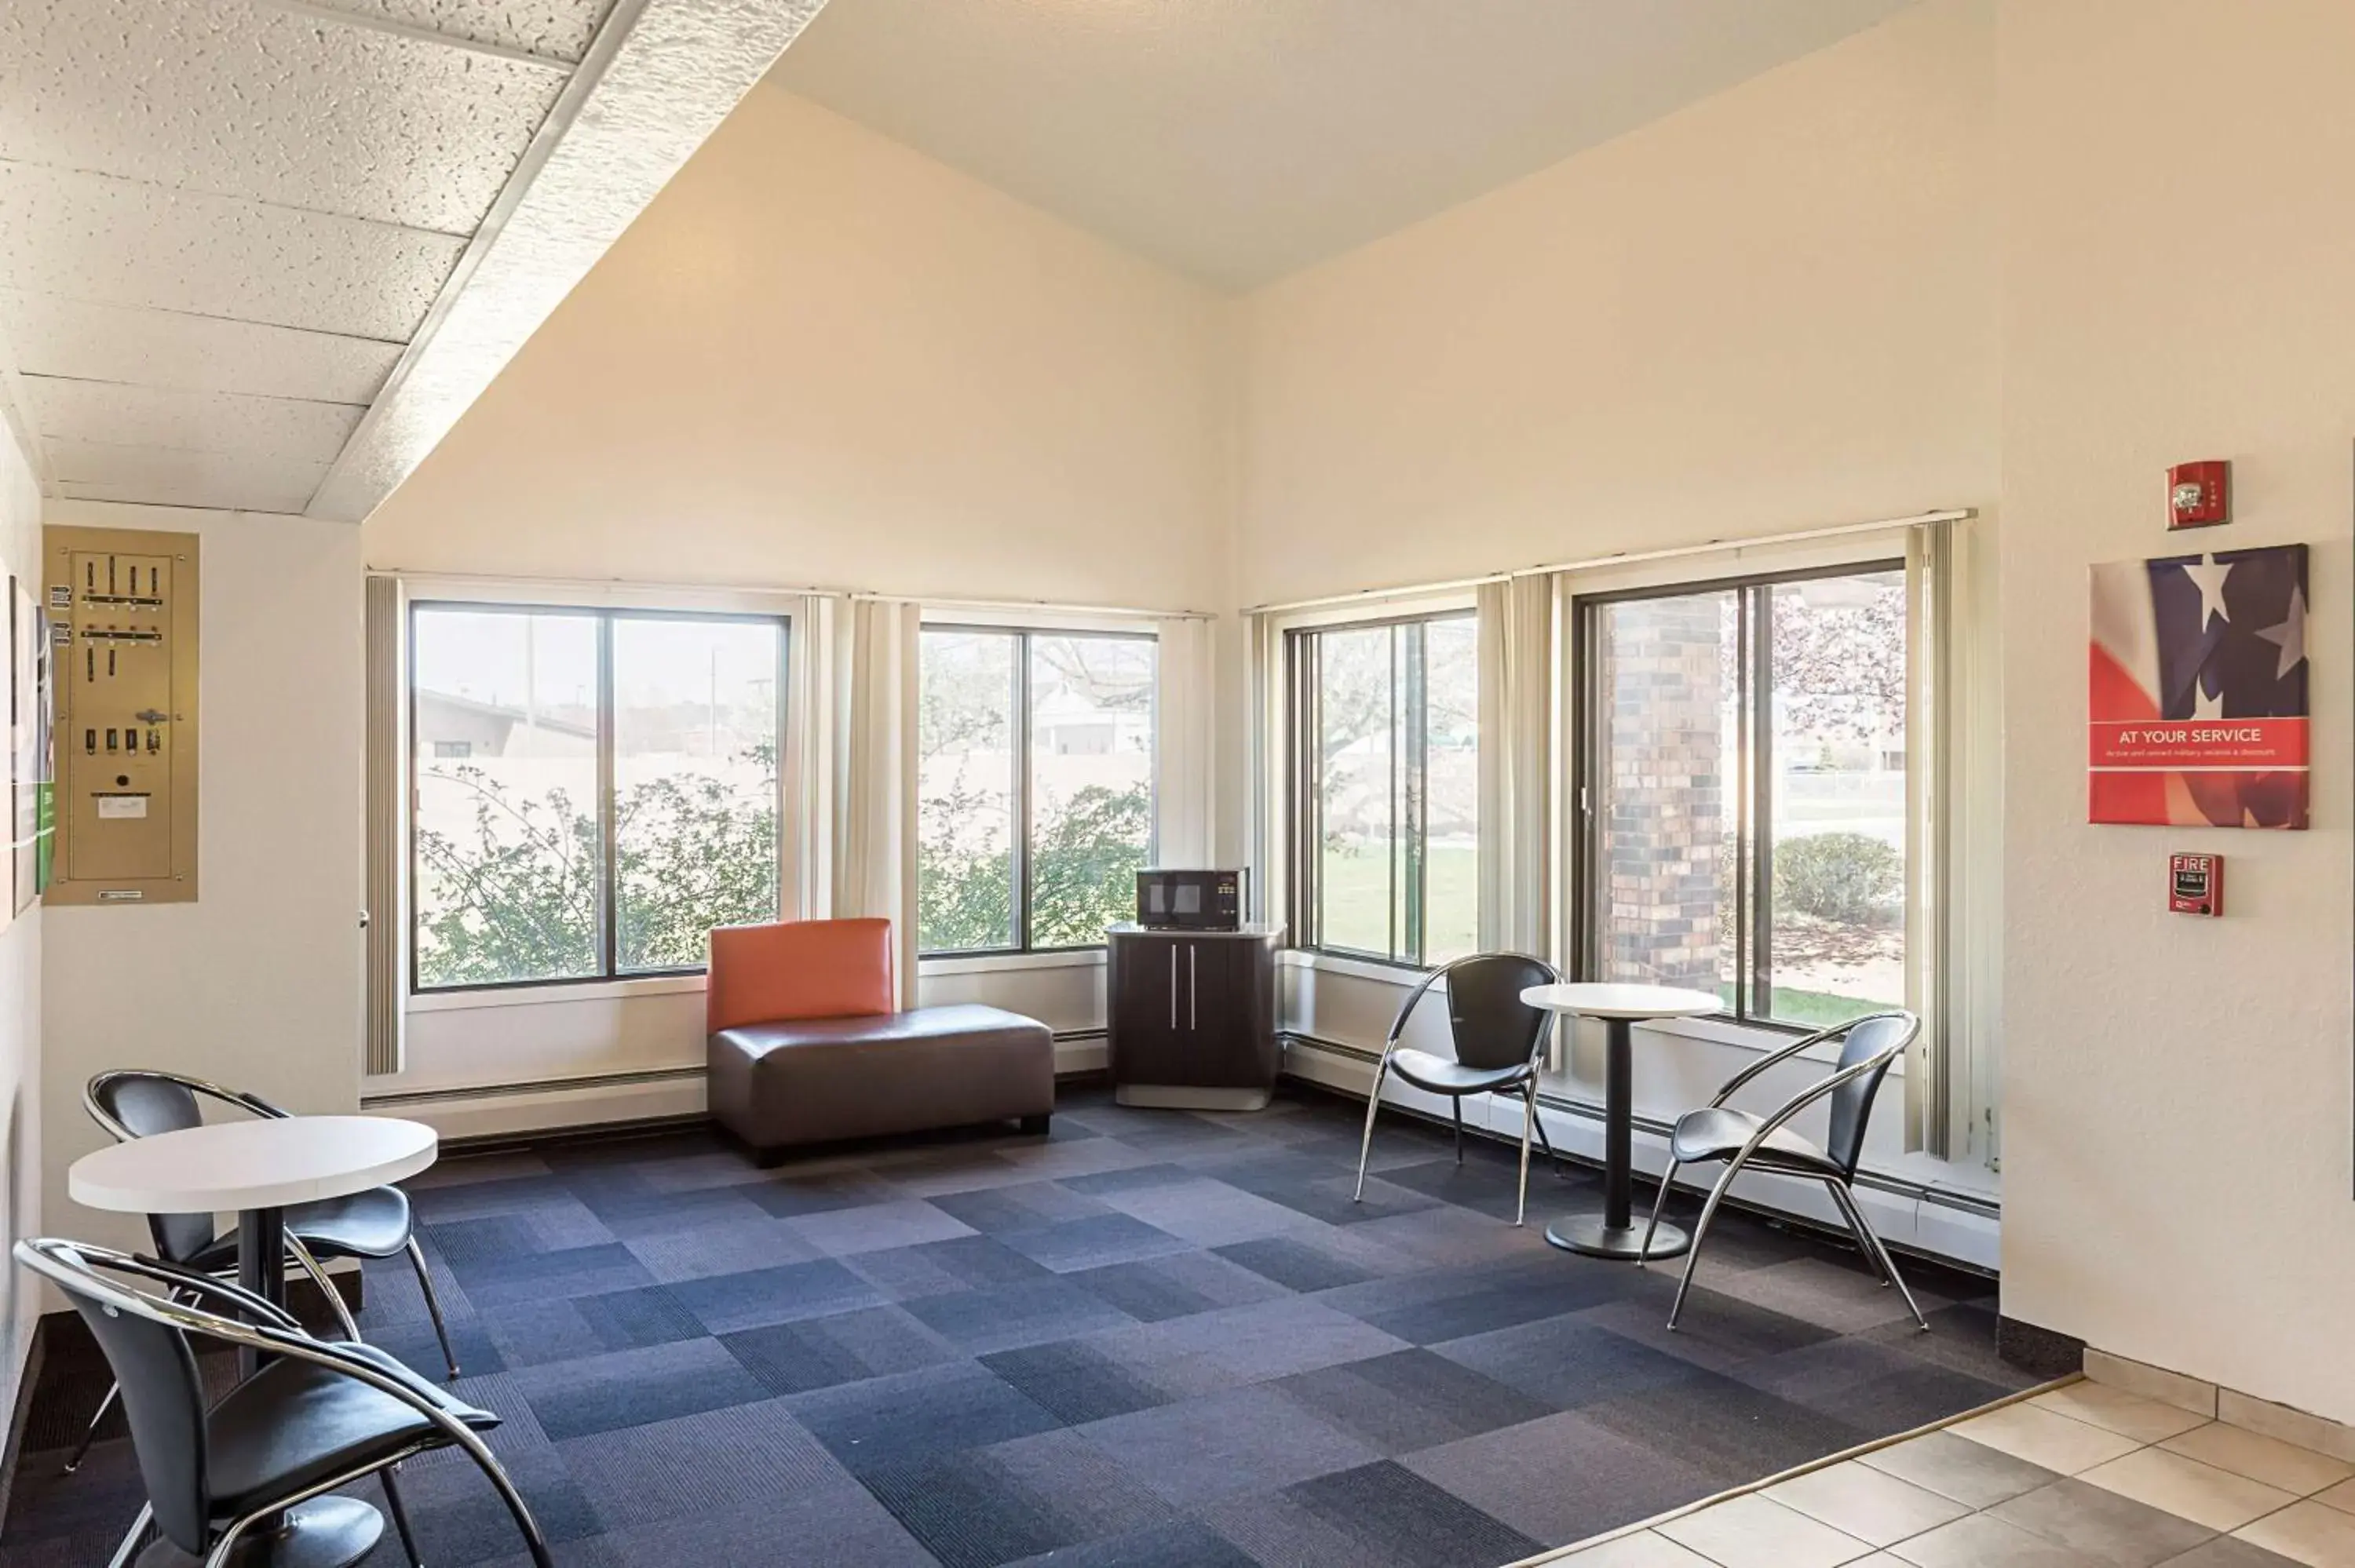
point(1356, 889)
point(1812, 1009)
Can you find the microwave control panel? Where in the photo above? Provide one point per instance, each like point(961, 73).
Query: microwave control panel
point(122, 616)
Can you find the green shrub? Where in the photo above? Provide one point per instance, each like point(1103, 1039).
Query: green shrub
point(1849, 877)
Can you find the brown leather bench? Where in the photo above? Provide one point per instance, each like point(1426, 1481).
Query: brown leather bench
point(804, 1046)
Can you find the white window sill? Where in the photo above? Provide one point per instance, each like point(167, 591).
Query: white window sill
point(998, 963)
point(547, 995)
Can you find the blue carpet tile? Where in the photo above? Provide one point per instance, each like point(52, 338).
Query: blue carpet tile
point(1149, 1339)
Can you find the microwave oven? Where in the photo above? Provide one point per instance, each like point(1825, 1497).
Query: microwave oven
point(1190, 900)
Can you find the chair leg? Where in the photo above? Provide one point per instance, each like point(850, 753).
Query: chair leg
point(1873, 1246)
point(1547, 1144)
point(1365, 1144)
point(1528, 1124)
point(1692, 1257)
point(1668, 1180)
point(392, 1505)
point(433, 1305)
point(327, 1288)
point(89, 1433)
point(1455, 1104)
point(138, 1528)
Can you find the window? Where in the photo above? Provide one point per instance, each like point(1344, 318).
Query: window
point(592, 791)
point(1385, 729)
point(1744, 789)
point(1034, 788)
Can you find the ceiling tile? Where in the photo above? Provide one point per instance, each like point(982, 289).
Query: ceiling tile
point(54, 337)
point(89, 471)
point(116, 414)
point(123, 243)
point(240, 100)
point(559, 29)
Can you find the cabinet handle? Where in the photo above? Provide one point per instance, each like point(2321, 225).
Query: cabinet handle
point(1173, 985)
point(1191, 1021)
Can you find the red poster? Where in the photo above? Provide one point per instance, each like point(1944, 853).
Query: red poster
point(2197, 709)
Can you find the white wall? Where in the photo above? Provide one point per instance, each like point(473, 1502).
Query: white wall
point(2177, 283)
point(20, 987)
point(1774, 310)
point(821, 359)
point(257, 984)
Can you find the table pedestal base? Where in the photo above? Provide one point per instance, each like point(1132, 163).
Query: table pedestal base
point(326, 1532)
point(1596, 1236)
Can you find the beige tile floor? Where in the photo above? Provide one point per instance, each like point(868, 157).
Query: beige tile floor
point(2085, 1475)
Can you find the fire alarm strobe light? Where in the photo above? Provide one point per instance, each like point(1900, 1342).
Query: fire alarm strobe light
point(2195, 883)
point(2199, 494)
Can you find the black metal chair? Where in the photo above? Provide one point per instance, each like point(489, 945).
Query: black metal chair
point(1499, 1042)
point(316, 1416)
point(1869, 1046)
point(141, 1102)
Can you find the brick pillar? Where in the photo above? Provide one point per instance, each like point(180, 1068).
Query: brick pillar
point(1665, 792)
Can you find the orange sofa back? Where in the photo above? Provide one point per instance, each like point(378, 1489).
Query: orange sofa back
point(798, 969)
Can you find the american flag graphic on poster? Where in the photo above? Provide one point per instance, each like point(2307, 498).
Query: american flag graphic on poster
point(2198, 698)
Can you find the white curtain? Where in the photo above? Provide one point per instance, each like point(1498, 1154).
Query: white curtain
point(1516, 739)
point(874, 858)
point(1263, 715)
point(1185, 759)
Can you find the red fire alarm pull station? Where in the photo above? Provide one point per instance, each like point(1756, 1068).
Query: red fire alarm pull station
point(2195, 884)
point(2199, 494)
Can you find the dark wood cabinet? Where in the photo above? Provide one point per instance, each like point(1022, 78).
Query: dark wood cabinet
point(1191, 1017)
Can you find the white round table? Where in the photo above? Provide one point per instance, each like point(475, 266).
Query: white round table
point(260, 1169)
point(1612, 1232)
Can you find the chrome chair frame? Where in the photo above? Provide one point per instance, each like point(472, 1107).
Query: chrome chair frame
point(253, 1105)
point(274, 1332)
point(1868, 1240)
point(1528, 1081)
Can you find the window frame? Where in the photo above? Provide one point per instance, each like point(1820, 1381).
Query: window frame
point(1020, 844)
point(608, 904)
point(1752, 904)
point(1304, 806)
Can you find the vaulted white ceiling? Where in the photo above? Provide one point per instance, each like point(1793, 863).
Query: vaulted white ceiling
point(260, 254)
point(1239, 140)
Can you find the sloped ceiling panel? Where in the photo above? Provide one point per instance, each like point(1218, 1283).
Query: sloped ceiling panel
point(228, 226)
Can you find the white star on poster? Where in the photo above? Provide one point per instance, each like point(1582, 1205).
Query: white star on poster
point(2290, 635)
point(2208, 576)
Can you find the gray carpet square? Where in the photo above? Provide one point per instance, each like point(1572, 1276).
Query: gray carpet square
point(934, 1269)
point(698, 1251)
point(1301, 1262)
point(1075, 1381)
point(1128, 1178)
point(1880, 1388)
point(1245, 1440)
point(529, 1333)
point(1093, 1242)
point(524, 1275)
point(630, 1388)
point(1724, 1425)
point(726, 1302)
point(1154, 1289)
point(976, 1507)
point(1523, 1476)
point(1210, 1212)
point(872, 1227)
point(1397, 1517)
point(1022, 1206)
point(1185, 1544)
point(978, 1321)
point(844, 1347)
point(1409, 1400)
point(665, 1470)
point(786, 1193)
point(1567, 1362)
point(908, 1416)
point(465, 1244)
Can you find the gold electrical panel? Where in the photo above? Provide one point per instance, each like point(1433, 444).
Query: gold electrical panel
point(123, 619)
